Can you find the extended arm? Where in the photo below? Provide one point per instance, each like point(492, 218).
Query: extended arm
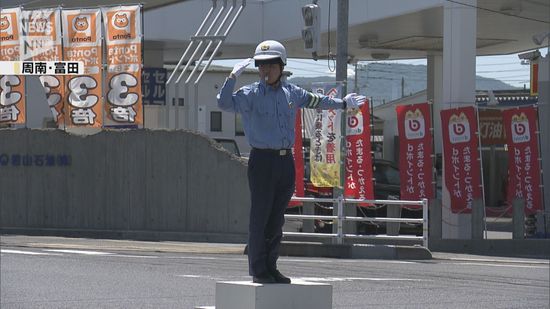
point(313, 100)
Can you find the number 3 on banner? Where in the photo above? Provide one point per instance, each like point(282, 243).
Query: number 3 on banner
point(8, 97)
point(79, 96)
point(119, 93)
point(50, 82)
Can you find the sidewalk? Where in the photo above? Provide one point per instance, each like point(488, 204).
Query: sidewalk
point(195, 247)
point(119, 245)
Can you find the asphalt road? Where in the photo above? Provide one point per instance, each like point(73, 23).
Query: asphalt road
point(46, 272)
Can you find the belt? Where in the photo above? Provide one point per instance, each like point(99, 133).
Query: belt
point(280, 152)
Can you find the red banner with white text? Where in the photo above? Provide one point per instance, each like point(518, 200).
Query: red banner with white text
point(298, 153)
point(416, 147)
point(358, 183)
point(461, 157)
point(523, 157)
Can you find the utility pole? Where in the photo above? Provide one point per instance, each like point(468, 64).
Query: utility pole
point(342, 76)
point(342, 44)
point(544, 124)
point(544, 129)
point(356, 88)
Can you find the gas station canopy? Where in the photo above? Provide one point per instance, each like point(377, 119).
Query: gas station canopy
point(378, 29)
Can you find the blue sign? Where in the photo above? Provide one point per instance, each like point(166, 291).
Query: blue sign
point(154, 86)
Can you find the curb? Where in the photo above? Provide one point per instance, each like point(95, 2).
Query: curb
point(354, 251)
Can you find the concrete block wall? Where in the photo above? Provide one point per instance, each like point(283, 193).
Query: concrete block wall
point(138, 183)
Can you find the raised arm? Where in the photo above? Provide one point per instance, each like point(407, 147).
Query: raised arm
point(308, 99)
point(229, 101)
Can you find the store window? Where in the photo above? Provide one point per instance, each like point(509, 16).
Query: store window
point(239, 130)
point(215, 121)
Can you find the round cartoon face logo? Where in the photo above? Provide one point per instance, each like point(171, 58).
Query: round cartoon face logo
point(4, 23)
point(80, 23)
point(120, 20)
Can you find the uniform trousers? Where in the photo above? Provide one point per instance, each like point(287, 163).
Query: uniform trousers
point(271, 181)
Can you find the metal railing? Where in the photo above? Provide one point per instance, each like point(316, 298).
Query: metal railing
point(213, 37)
point(339, 219)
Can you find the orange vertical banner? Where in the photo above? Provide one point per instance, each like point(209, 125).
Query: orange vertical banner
point(82, 42)
point(12, 87)
point(41, 33)
point(124, 107)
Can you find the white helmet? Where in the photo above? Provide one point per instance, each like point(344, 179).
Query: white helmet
point(270, 50)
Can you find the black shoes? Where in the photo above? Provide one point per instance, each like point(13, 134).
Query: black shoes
point(273, 276)
point(263, 278)
point(279, 278)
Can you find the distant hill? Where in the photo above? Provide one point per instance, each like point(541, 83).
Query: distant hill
point(386, 82)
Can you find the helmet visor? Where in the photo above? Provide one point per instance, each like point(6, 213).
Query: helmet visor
point(259, 61)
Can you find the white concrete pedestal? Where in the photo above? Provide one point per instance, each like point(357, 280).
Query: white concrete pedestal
point(248, 295)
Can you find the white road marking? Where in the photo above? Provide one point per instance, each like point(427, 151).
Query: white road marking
point(59, 252)
point(136, 256)
point(294, 260)
point(26, 252)
point(472, 262)
point(331, 261)
point(500, 261)
point(283, 260)
point(207, 277)
point(343, 279)
point(309, 279)
point(501, 265)
point(84, 252)
point(198, 257)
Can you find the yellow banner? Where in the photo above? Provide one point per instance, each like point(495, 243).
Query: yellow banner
point(324, 155)
point(82, 42)
point(12, 87)
point(124, 64)
point(325, 149)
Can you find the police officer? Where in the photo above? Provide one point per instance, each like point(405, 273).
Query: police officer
point(268, 108)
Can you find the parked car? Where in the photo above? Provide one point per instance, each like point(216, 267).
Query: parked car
point(386, 187)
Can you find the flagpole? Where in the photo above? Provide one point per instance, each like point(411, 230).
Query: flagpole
point(480, 152)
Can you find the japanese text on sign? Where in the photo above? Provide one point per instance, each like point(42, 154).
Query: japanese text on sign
point(41, 67)
point(39, 160)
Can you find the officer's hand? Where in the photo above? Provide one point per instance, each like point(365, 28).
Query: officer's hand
point(353, 100)
point(239, 67)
